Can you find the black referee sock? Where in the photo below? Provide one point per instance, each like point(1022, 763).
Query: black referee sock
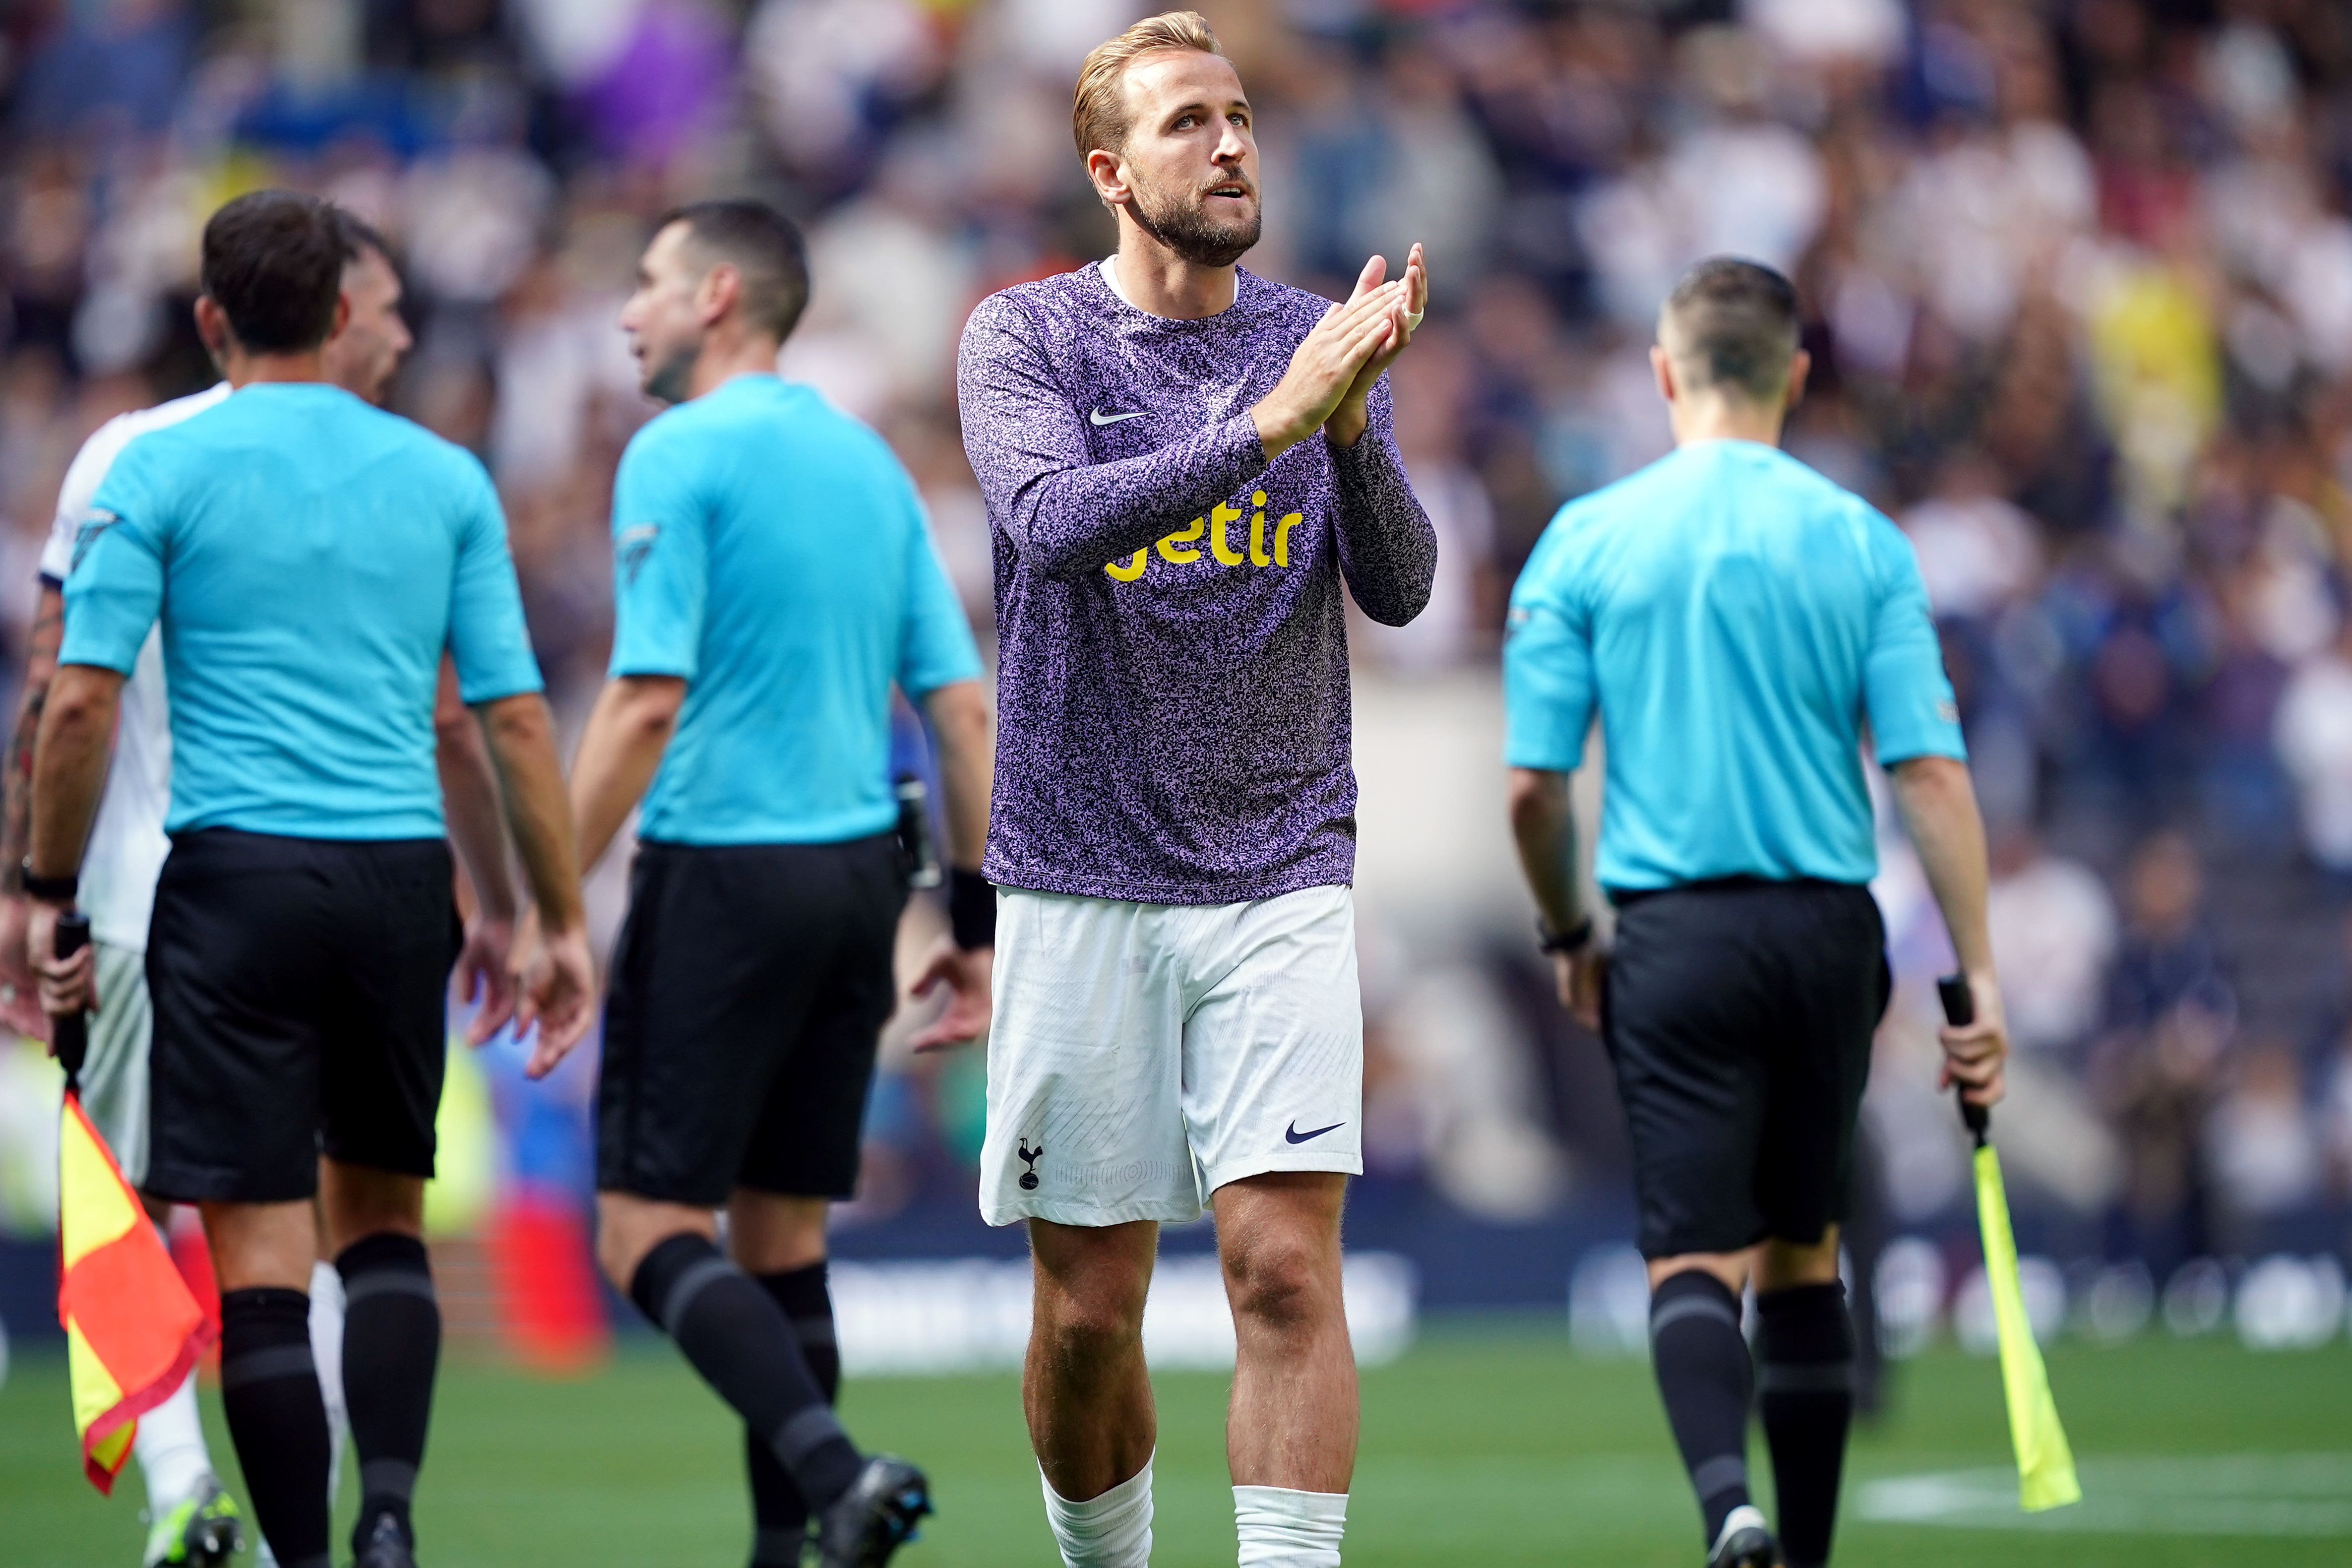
point(1805, 1393)
point(269, 1391)
point(738, 1340)
point(779, 1514)
point(1701, 1361)
point(392, 1345)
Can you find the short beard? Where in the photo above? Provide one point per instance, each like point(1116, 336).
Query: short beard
point(668, 381)
point(379, 387)
point(1188, 231)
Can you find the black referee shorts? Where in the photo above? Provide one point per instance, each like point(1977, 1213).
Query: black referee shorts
point(299, 989)
point(750, 989)
point(1739, 1016)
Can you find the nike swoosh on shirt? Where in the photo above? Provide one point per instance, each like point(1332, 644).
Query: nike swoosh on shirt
point(1099, 417)
point(1296, 1136)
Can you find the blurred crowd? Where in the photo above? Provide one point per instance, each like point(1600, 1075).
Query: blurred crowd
point(2078, 276)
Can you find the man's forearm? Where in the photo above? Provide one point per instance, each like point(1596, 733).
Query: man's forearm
point(1077, 519)
point(522, 738)
point(469, 794)
point(1938, 802)
point(1069, 514)
point(964, 733)
point(69, 765)
point(1388, 547)
point(1543, 825)
point(17, 789)
point(622, 747)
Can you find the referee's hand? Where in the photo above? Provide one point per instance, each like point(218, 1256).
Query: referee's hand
point(556, 989)
point(967, 976)
point(68, 985)
point(1581, 976)
point(1976, 1052)
point(484, 978)
point(20, 1004)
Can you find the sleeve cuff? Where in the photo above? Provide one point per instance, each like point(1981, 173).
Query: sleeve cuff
point(672, 668)
point(1242, 444)
point(1536, 760)
point(1894, 757)
point(498, 691)
point(1373, 453)
point(99, 658)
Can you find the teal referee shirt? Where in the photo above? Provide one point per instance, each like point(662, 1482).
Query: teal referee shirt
point(1736, 621)
point(309, 557)
point(771, 551)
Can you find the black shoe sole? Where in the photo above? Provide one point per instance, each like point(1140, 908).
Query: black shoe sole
point(902, 1520)
point(213, 1543)
point(1759, 1552)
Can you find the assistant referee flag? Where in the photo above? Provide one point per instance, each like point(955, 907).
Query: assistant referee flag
point(2045, 1462)
point(133, 1331)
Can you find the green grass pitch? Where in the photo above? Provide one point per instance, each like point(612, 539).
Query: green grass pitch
point(1492, 1447)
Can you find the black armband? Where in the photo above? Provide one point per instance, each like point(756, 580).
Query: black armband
point(1574, 940)
point(971, 908)
point(48, 889)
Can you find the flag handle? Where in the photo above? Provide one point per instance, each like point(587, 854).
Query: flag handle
point(70, 1032)
point(1960, 1011)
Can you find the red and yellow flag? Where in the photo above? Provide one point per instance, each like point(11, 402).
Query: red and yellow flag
point(131, 1328)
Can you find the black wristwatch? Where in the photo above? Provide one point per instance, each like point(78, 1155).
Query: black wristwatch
point(49, 890)
point(1574, 940)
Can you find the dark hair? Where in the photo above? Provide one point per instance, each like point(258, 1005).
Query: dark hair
point(763, 245)
point(360, 237)
point(1737, 323)
point(273, 261)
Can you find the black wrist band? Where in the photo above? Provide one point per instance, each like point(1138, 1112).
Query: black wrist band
point(49, 890)
point(1574, 940)
point(971, 908)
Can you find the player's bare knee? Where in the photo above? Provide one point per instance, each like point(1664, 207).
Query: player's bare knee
point(1281, 1285)
point(629, 1228)
point(770, 1233)
point(618, 1254)
point(1090, 1323)
point(1731, 1268)
point(1780, 1264)
point(1088, 1319)
point(360, 1200)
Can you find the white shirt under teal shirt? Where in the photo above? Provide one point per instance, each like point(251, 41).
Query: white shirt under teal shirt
point(309, 557)
point(770, 550)
point(1735, 619)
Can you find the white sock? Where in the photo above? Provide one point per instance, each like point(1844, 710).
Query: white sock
point(171, 1450)
point(327, 1350)
point(1284, 1529)
point(1113, 1530)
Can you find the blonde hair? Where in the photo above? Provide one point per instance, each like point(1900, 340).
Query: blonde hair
point(1097, 110)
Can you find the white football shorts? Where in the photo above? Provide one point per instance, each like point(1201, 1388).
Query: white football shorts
point(1143, 1056)
point(114, 1074)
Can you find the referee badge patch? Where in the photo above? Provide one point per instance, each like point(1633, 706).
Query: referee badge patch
point(92, 526)
point(635, 542)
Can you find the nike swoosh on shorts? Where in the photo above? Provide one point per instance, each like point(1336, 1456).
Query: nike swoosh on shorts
point(1293, 1134)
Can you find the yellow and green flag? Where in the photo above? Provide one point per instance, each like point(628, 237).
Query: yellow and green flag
point(133, 1329)
point(2045, 1465)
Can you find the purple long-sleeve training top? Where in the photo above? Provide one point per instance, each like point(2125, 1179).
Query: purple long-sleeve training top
point(1172, 649)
